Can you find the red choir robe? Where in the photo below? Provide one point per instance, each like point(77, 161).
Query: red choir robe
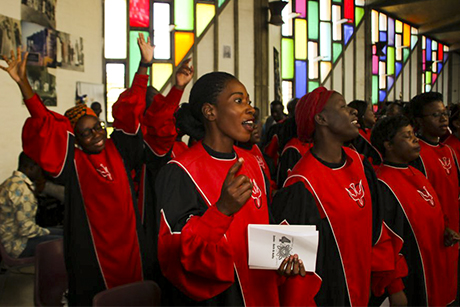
point(354, 242)
point(204, 252)
point(103, 236)
point(412, 204)
point(292, 153)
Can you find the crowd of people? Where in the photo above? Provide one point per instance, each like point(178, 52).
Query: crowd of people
point(141, 204)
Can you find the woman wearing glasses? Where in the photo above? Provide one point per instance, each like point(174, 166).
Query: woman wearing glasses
point(103, 239)
point(438, 163)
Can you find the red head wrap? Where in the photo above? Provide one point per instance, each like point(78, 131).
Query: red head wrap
point(306, 109)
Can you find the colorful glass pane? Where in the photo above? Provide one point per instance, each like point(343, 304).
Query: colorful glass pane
point(399, 26)
point(139, 13)
point(348, 32)
point(359, 13)
point(326, 68)
point(115, 29)
point(183, 14)
point(286, 87)
point(406, 35)
point(390, 82)
point(312, 85)
point(300, 39)
point(375, 26)
point(287, 58)
point(398, 67)
point(183, 42)
point(375, 89)
point(391, 60)
point(301, 8)
point(428, 77)
point(382, 22)
point(382, 76)
point(134, 53)
point(406, 53)
point(382, 95)
point(313, 21)
point(204, 14)
point(161, 72)
point(337, 51)
point(325, 42)
point(325, 10)
point(413, 41)
point(434, 77)
point(286, 27)
point(162, 35)
point(349, 10)
point(336, 26)
point(313, 67)
point(375, 65)
point(391, 32)
point(300, 78)
point(115, 76)
point(428, 49)
point(220, 2)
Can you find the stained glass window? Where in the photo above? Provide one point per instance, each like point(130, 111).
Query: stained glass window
point(321, 30)
point(175, 26)
point(391, 48)
point(434, 57)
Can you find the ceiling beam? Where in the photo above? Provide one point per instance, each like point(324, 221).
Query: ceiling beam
point(454, 47)
point(385, 3)
point(440, 24)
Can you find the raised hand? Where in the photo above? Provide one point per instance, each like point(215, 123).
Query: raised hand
point(145, 48)
point(292, 266)
point(235, 191)
point(184, 74)
point(450, 237)
point(17, 70)
point(16, 66)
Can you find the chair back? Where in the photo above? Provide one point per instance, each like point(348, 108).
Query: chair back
point(142, 293)
point(50, 273)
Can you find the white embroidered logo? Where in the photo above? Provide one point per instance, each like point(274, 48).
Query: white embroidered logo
point(256, 194)
point(356, 192)
point(260, 161)
point(445, 162)
point(104, 172)
point(426, 196)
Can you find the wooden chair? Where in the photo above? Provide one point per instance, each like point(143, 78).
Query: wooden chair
point(50, 273)
point(143, 293)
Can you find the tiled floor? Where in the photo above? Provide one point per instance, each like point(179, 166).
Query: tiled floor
point(18, 289)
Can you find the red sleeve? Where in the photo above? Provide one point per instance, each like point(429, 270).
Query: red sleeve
point(159, 122)
point(130, 106)
point(388, 265)
point(45, 136)
point(271, 150)
point(198, 260)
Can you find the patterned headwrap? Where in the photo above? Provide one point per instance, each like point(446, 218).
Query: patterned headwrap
point(76, 112)
point(306, 109)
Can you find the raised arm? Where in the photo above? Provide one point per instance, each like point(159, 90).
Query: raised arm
point(17, 70)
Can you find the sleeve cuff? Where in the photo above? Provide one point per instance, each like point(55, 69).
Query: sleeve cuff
point(396, 286)
point(213, 224)
point(174, 95)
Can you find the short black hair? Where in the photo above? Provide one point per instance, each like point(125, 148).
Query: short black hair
point(361, 107)
point(206, 90)
point(385, 130)
point(25, 161)
point(420, 101)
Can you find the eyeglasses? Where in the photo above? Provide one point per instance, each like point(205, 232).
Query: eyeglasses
point(89, 132)
point(438, 114)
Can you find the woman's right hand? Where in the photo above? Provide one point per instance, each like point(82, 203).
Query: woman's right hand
point(16, 66)
point(235, 191)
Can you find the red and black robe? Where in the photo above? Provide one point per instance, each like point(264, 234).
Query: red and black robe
point(204, 252)
point(354, 245)
point(438, 163)
point(103, 237)
point(362, 144)
point(411, 204)
point(292, 153)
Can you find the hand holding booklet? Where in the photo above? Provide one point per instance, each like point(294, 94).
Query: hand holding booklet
point(269, 245)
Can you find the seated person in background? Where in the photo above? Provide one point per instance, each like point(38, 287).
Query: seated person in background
point(366, 120)
point(97, 108)
point(19, 233)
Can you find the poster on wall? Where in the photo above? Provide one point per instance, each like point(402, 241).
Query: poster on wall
point(40, 42)
point(92, 92)
point(43, 83)
point(70, 51)
point(10, 35)
point(42, 12)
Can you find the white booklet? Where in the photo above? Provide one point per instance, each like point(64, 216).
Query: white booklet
point(269, 245)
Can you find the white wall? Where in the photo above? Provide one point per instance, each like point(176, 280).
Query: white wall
point(81, 18)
